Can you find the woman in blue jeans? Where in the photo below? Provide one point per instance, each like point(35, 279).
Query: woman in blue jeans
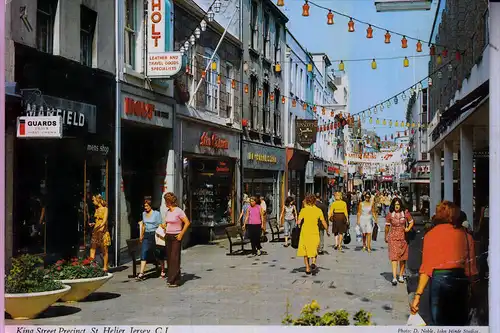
point(288, 218)
point(151, 220)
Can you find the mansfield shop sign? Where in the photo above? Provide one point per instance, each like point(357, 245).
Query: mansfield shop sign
point(39, 127)
point(305, 132)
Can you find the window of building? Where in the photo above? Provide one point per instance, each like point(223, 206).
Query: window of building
point(277, 45)
point(277, 113)
point(266, 37)
point(212, 87)
point(88, 19)
point(229, 76)
point(297, 82)
point(486, 22)
point(254, 43)
point(292, 128)
point(45, 18)
point(253, 103)
point(292, 75)
point(301, 83)
point(130, 32)
point(266, 110)
point(424, 118)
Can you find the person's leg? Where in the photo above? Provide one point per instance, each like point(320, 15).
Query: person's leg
point(92, 252)
point(253, 233)
point(394, 264)
point(168, 251)
point(287, 232)
point(341, 237)
point(174, 264)
point(144, 255)
point(105, 257)
point(369, 242)
point(321, 241)
point(402, 267)
point(306, 262)
point(364, 241)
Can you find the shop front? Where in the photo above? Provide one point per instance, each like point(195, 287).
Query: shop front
point(147, 158)
point(296, 173)
point(61, 153)
point(263, 173)
point(209, 178)
point(310, 177)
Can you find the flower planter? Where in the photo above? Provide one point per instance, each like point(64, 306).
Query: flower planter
point(81, 288)
point(30, 305)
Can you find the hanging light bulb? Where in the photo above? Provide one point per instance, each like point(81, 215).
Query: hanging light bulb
point(218, 79)
point(457, 55)
point(390, 123)
point(419, 87)
point(432, 50)
point(439, 60)
point(246, 88)
point(406, 62)
point(440, 75)
point(294, 102)
point(260, 93)
point(305, 9)
point(186, 45)
point(182, 50)
point(203, 74)
point(271, 97)
point(217, 6)
point(384, 122)
point(396, 100)
point(403, 97)
point(233, 83)
point(192, 39)
point(329, 18)
point(450, 68)
point(387, 37)
point(377, 121)
point(304, 106)
point(374, 64)
point(429, 82)
point(277, 67)
point(309, 68)
point(210, 15)
point(369, 32)
point(445, 53)
point(283, 100)
point(381, 108)
point(197, 33)
point(350, 25)
point(419, 46)
point(203, 25)
point(404, 42)
point(341, 66)
point(214, 66)
point(280, 3)
point(388, 104)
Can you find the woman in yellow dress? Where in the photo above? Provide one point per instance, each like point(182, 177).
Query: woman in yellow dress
point(339, 217)
point(309, 234)
point(100, 235)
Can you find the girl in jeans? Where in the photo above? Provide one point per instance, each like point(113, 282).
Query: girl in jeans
point(151, 220)
point(288, 218)
point(256, 222)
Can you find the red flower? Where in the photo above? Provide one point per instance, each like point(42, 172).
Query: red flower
point(58, 268)
point(74, 263)
point(86, 262)
point(74, 259)
point(59, 262)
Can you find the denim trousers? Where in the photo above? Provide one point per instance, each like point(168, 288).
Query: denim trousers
point(449, 297)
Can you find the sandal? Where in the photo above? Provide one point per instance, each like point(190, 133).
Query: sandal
point(140, 277)
point(308, 272)
point(313, 267)
point(162, 275)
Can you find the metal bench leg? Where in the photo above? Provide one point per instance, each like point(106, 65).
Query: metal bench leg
point(134, 265)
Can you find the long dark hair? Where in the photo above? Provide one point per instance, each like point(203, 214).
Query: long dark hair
point(393, 205)
point(288, 201)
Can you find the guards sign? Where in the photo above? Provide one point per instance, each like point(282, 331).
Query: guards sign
point(39, 127)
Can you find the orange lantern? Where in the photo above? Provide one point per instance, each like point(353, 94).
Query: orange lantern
point(187, 69)
point(387, 37)
point(432, 50)
point(305, 9)
point(350, 26)
point(445, 53)
point(323, 111)
point(314, 109)
point(271, 97)
point(280, 3)
point(218, 79)
point(329, 18)
point(203, 74)
point(283, 100)
point(233, 84)
point(332, 114)
point(304, 106)
point(419, 46)
point(294, 103)
point(404, 42)
point(369, 32)
point(246, 88)
point(260, 93)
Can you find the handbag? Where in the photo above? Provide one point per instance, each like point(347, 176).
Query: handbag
point(263, 238)
point(410, 235)
point(295, 237)
point(347, 238)
point(375, 232)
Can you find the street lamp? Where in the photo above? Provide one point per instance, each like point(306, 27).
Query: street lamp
point(402, 5)
point(197, 33)
point(203, 25)
point(217, 6)
point(210, 15)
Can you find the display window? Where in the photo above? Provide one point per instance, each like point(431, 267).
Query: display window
point(209, 191)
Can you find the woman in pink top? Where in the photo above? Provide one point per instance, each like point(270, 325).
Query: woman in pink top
point(175, 226)
point(255, 220)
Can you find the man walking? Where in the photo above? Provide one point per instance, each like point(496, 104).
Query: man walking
point(324, 208)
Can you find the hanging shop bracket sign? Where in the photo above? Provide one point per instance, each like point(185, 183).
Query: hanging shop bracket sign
point(40, 127)
point(305, 132)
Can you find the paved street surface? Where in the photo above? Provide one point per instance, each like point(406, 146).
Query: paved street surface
point(237, 290)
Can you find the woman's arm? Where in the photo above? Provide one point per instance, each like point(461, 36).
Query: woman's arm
point(323, 222)
point(410, 220)
point(263, 219)
point(186, 224)
point(295, 214)
point(245, 222)
point(360, 209)
point(374, 213)
point(301, 217)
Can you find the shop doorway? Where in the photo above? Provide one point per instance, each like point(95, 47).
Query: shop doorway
point(144, 160)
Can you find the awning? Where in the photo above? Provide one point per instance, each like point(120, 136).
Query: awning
point(320, 174)
point(297, 158)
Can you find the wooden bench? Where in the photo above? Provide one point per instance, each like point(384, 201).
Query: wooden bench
point(276, 230)
point(235, 237)
point(134, 247)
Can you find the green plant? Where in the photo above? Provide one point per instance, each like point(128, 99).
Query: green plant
point(309, 316)
point(28, 276)
point(75, 269)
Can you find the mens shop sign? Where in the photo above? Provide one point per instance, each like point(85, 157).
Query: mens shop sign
point(39, 127)
point(305, 132)
point(201, 140)
point(257, 156)
point(147, 112)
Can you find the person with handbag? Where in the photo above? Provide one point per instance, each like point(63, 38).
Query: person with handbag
point(338, 214)
point(288, 218)
point(309, 233)
point(449, 263)
point(151, 220)
point(398, 223)
point(324, 208)
point(255, 222)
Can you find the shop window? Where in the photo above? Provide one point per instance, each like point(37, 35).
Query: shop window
point(88, 19)
point(266, 37)
point(254, 44)
point(212, 87)
point(45, 18)
point(229, 76)
point(130, 32)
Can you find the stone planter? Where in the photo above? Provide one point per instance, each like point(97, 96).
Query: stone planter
point(81, 288)
point(30, 305)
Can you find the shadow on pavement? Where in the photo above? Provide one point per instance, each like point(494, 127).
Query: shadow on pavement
point(59, 311)
point(186, 277)
point(100, 296)
point(387, 276)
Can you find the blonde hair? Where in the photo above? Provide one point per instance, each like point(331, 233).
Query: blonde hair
point(100, 200)
point(338, 196)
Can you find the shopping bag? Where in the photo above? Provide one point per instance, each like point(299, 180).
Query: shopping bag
point(415, 320)
point(295, 237)
point(359, 235)
point(375, 232)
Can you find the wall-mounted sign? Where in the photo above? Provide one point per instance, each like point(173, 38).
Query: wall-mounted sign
point(164, 65)
point(305, 132)
point(39, 127)
point(147, 111)
point(222, 167)
point(213, 141)
point(259, 156)
point(98, 149)
point(204, 140)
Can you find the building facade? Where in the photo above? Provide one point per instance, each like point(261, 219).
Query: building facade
point(458, 105)
point(60, 59)
point(264, 129)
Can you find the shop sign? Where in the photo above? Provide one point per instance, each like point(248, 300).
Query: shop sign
point(305, 132)
point(258, 156)
point(147, 112)
point(39, 127)
point(213, 141)
point(223, 167)
point(387, 178)
point(100, 149)
point(164, 65)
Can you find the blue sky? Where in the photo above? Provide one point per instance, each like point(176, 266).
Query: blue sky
point(367, 87)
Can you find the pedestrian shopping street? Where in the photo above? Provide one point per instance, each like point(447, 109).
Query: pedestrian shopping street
point(236, 290)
